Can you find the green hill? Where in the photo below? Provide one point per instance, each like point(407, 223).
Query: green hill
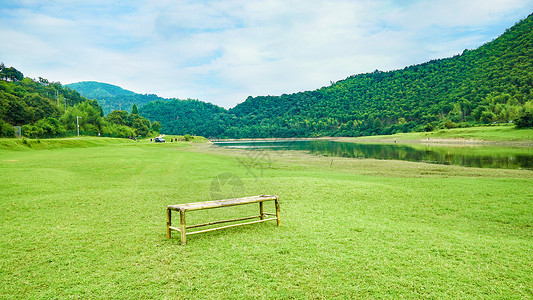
point(188, 116)
point(493, 83)
point(112, 97)
point(94, 90)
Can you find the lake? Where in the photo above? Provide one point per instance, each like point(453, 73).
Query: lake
point(469, 156)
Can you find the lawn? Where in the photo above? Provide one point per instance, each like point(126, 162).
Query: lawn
point(505, 134)
point(89, 222)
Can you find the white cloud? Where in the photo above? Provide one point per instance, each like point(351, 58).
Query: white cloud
point(223, 51)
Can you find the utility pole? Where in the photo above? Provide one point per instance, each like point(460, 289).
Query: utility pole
point(78, 124)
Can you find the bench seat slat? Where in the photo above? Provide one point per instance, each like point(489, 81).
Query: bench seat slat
point(221, 203)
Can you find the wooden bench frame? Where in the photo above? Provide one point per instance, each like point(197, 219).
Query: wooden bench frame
point(182, 208)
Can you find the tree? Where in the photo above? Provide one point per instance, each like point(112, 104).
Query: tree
point(40, 106)
point(141, 126)
point(119, 117)
point(43, 81)
point(69, 121)
point(10, 74)
point(156, 126)
point(6, 130)
point(92, 115)
point(134, 110)
point(525, 121)
point(44, 128)
point(487, 117)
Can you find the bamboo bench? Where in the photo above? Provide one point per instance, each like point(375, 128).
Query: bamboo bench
point(182, 208)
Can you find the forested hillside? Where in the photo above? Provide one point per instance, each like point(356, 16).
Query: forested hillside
point(493, 83)
point(112, 97)
point(189, 116)
point(46, 109)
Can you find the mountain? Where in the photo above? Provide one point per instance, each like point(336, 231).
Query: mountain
point(111, 97)
point(493, 83)
point(93, 90)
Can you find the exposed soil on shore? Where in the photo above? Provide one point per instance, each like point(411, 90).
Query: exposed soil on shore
point(446, 141)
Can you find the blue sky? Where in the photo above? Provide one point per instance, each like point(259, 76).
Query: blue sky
point(224, 51)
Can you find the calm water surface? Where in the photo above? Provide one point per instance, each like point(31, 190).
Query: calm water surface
point(469, 156)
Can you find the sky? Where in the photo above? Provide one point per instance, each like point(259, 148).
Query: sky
point(224, 51)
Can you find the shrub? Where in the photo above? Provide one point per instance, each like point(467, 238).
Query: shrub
point(524, 121)
point(118, 130)
point(6, 130)
point(487, 117)
point(45, 128)
point(450, 124)
point(429, 127)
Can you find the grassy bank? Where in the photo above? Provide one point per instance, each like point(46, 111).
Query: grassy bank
point(60, 143)
point(82, 223)
point(80, 142)
point(503, 134)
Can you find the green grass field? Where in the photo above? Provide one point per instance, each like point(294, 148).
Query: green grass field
point(506, 134)
point(89, 222)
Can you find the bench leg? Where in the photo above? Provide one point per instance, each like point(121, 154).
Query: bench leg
point(169, 222)
point(261, 212)
point(182, 221)
point(277, 212)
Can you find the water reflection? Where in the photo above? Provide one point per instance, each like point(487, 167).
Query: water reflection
point(470, 156)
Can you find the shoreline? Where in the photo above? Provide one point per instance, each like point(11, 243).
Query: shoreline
point(392, 140)
point(270, 139)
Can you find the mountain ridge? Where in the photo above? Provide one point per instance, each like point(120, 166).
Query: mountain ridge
point(112, 97)
point(94, 89)
point(493, 83)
